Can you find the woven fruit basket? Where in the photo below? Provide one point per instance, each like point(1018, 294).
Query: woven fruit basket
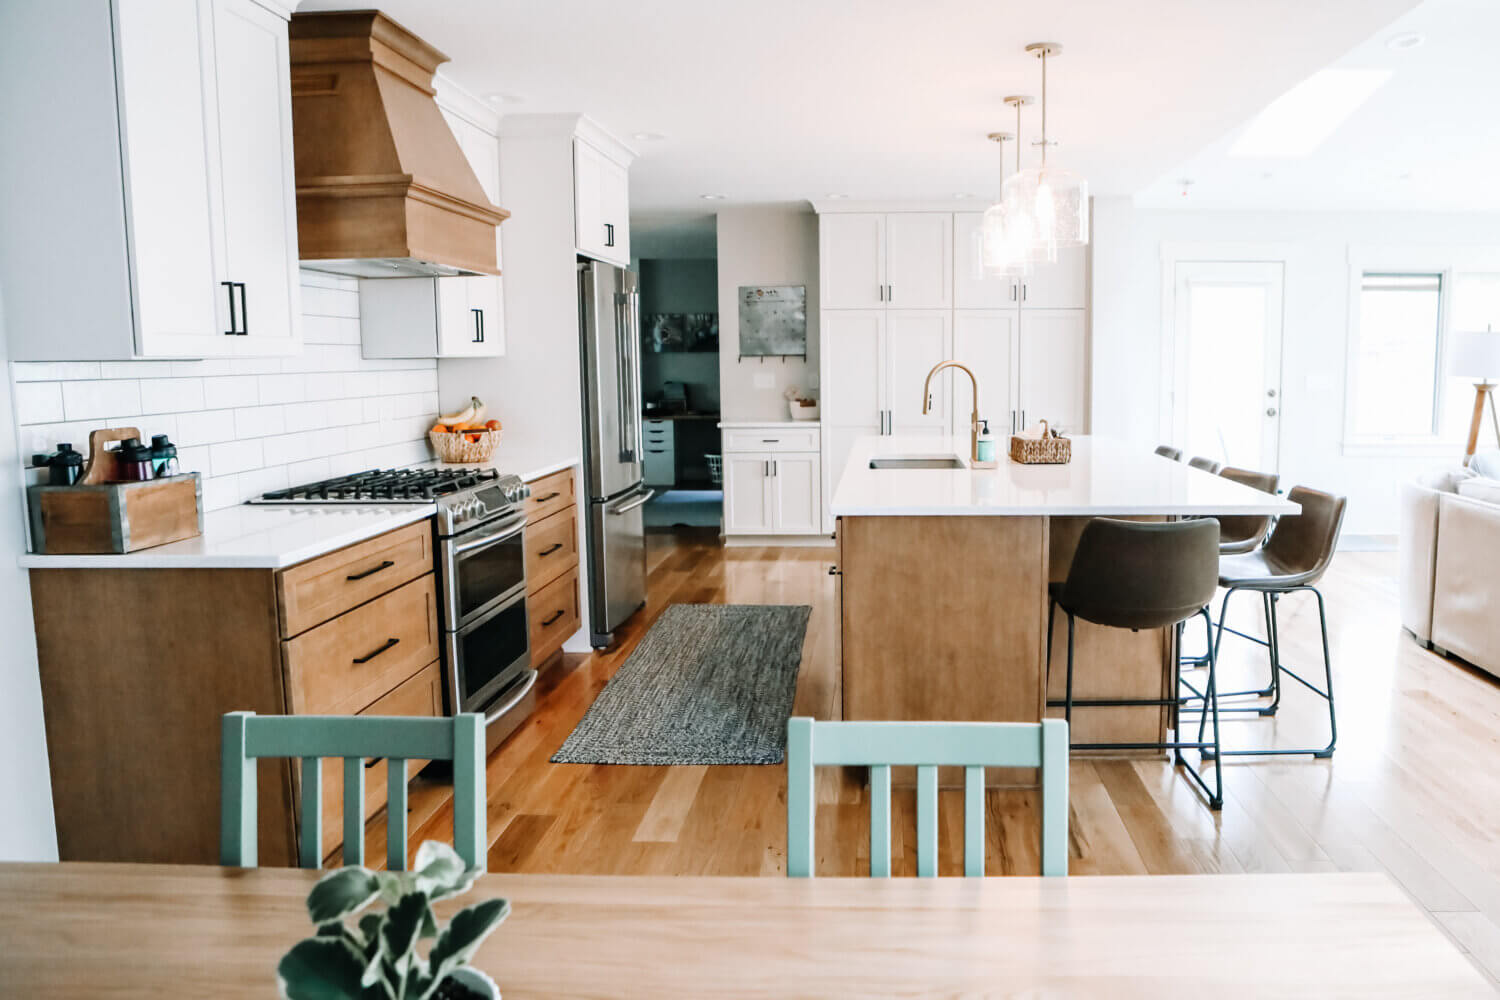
point(464, 447)
point(1049, 449)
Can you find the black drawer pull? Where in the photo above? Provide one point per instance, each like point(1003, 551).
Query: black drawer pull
point(372, 762)
point(370, 656)
point(770, 440)
point(553, 617)
point(550, 496)
point(370, 572)
point(550, 549)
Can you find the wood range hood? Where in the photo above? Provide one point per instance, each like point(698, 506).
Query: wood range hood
point(383, 189)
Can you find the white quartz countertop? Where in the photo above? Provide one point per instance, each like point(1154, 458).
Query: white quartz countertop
point(1106, 477)
point(270, 536)
point(752, 424)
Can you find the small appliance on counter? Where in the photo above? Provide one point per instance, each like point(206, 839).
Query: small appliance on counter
point(124, 499)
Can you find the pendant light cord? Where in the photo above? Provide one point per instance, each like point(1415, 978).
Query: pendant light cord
point(1044, 109)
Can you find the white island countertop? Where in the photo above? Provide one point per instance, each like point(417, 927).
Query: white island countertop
point(1105, 478)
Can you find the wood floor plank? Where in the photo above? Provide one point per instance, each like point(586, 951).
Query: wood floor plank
point(669, 807)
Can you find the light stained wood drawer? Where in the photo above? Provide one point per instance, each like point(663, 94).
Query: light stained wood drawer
point(344, 665)
point(311, 593)
point(771, 439)
point(551, 548)
point(554, 615)
point(419, 695)
point(549, 495)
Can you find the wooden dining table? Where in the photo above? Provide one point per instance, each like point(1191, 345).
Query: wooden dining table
point(111, 930)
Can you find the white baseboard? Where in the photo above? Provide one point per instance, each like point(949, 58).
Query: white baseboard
point(1367, 543)
point(779, 541)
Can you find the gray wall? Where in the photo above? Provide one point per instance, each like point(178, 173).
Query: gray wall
point(681, 286)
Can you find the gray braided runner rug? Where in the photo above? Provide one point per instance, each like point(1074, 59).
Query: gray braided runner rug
point(708, 684)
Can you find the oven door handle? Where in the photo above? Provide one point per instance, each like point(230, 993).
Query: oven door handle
point(513, 700)
point(499, 533)
point(640, 500)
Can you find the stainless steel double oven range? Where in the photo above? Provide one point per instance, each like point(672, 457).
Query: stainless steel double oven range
point(479, 526)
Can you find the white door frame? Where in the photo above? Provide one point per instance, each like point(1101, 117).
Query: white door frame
point(1173, 254)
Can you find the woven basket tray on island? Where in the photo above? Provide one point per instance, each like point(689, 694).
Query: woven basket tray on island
point(1049, 449)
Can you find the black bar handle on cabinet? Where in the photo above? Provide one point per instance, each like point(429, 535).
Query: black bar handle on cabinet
point(834, 571)
point(234, 326)
point(369, 572)
point(609, 234)
point(478, 325)
point(370, 656)
point(552, 617)
point(550, 496)
point(550, 549)
point(244, 312)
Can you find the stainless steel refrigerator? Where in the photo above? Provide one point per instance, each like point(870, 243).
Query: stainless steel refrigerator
point(609, 328)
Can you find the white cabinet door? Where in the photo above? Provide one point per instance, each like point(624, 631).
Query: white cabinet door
point(985, 341)
point(852, 344)
point(252, 75)
point(470, 324)
point(851, 256)
point(164, 66)
point(614, 215)
point(588, 194)
point(1062, 284)
point(918, 260)
point(797, 502)
point(973, 287)
point(837, 443)
point(916, 341)
point(749, 508)
point(1053, 368)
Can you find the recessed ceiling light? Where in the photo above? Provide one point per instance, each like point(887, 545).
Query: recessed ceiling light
point(1404, 41)
point(836, 197)
point(647, 136)
point(712, 197)
point(1299, 120)
point(498, 98)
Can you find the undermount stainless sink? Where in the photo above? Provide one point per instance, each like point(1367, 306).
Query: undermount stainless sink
point(926, 462)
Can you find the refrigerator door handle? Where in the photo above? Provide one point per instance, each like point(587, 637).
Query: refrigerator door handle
point(639, 500)
point(633, 305)
point(622, 395)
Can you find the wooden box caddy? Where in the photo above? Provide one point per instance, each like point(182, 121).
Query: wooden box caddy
point(99, 516)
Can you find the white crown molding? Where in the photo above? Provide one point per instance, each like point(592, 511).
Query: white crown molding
point(833, 206)
point(568, 124)
point(465, 104)
point(281, 8)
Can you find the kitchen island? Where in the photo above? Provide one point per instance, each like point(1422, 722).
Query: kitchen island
point(944, 571)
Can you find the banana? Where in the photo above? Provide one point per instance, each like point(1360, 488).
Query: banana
point(469, 414)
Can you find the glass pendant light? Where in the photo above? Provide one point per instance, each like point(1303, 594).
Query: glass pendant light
point(996, 250)
point(1047, 205)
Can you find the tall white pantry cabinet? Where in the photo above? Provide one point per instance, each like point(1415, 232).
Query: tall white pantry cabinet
point(903, 289)
point(147, 188)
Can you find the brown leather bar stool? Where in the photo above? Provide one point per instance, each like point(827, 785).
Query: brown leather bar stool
point(1244, 532)
point(1292, 561)
point(1167, 451)
point(1205, 464)
point(1135, 575)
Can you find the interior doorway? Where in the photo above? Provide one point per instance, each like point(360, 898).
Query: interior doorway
point(1226, 361)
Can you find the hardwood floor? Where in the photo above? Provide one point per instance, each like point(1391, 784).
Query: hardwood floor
point(1414, 788)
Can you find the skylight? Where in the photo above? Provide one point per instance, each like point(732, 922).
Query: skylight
point(1298, 121)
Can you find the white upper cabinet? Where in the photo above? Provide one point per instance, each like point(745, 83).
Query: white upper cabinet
point(1053, 369)
point(853, 344)
point(917, 340)
point(985, 341)
point(601, 204)
point(147, 184)
point(901, 260)
point(973, 287)
point(851, 255)
point(1060, 284)
point(918, 260)
point(255, 171)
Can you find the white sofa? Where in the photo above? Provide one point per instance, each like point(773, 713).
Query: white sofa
point(1450, 561)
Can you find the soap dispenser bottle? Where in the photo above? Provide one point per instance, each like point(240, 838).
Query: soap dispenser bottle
point(986, 445)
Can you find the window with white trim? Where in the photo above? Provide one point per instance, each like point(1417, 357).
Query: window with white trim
point(1397, 379)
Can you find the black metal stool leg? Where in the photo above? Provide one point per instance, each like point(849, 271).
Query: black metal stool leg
point(1068, 694)
point(1051, 617)
point(1333, 726)
point(1216, 799)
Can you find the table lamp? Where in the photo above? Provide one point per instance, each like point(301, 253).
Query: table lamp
point(1476, 354)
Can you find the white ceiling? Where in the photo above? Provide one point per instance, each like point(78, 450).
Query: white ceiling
point(1429, 139)
point(787, 100)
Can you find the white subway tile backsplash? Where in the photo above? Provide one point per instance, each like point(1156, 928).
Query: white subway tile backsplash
point(101, 398)
point(236, 456)
point(248, 424)
point(232, 390)
point(171, 395)
point(38, 402)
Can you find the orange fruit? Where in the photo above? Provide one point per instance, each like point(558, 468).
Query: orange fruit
point(493, 425)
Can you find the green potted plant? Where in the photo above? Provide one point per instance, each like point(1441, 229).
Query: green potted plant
point(378, 958)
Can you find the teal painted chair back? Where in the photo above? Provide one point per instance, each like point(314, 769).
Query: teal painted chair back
point(882, 745)
point(248, 737)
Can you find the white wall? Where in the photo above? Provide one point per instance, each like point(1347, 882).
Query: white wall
point(764, 245)
point(28, 832)
point(1128, 328)
point(248, 424)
